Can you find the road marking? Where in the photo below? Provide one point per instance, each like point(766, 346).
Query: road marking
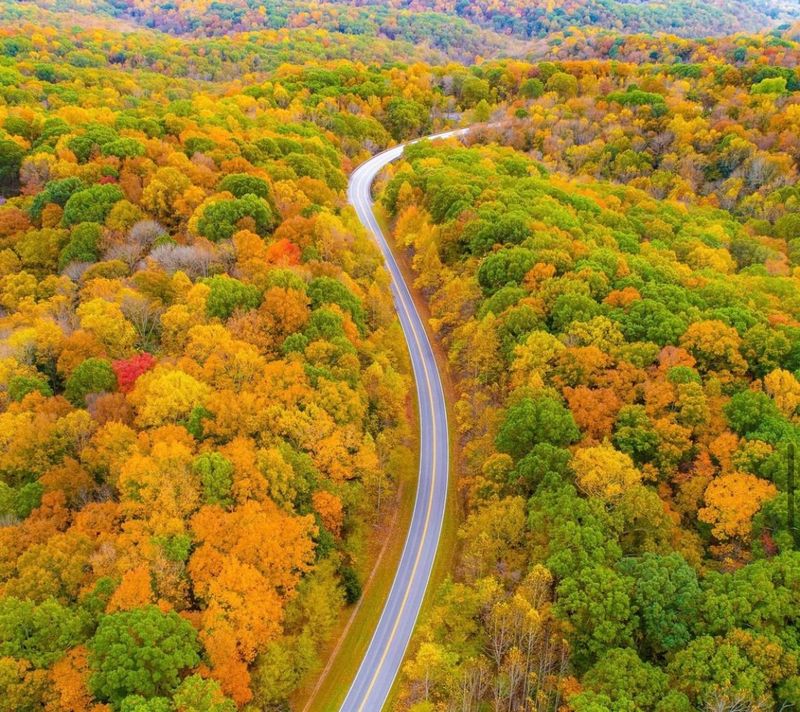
point(424, 535)
point(402, 299)
point(405, 299)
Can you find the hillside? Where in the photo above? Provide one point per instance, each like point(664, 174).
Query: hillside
point(444, 36)
point(460, 30)
point(689, 18)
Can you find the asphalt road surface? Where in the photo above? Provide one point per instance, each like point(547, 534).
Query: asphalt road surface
point(385, 654)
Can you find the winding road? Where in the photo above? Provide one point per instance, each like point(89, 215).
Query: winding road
point(386, 650)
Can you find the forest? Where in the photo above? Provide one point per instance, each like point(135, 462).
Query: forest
point(204, 394)
point(539, 18)
point(626, 369)
point(457, 29)
point(206, 402)
point(618, 299)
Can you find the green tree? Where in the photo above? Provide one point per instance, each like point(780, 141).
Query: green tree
point(241, 184)
point(216, 478)
point(94, 375)
point(504, 298)
point(137, 703)
point(27, 498)
point(473, 91)
point(20, 386)
point(628, 682)
point(753, 412)
point(325, 290)
point(228, 294)
point(787, 226)
point(572, 307)
point(221, 219)
point(649, 320)
point(570, 532)
point(482, 235)
point(91, 204)
point(505, 267)
point(11, 155)
point(596, 602)
point(532, 88)
point(635, 435)
point(543, 459)
point(351, 584)
point(565, 85)
point(197, 694)
point(541, 419)
point(40, 632)
point(761, 596)
point(123, 148)
point(83, 245)
point(710, 670)
point(94, 136)
point(323, 324)
point(141, 652)
point(482, 111)
point(666, 596)
point(765, 349)
point(57, 192)
point(773, 85)
point(406, 118)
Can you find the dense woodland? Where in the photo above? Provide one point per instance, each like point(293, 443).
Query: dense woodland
point(538, 18)
point(442, 35)
point(455, 28)
point(616, 288)
point(205, 400)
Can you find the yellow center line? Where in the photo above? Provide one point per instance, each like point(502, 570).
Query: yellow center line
point(427, 514)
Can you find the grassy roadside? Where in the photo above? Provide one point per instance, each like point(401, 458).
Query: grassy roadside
point(448, 541)
point(325, 687)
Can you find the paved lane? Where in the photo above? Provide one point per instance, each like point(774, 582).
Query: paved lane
point(385, 654)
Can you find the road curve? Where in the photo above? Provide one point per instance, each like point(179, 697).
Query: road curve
point(383, 658)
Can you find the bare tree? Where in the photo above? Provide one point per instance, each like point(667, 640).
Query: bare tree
point(128, 253)
point(145, 315)
point(474, 685)
point(75, 270)
point(192, 259)
point(735, 701)
point(144, 233)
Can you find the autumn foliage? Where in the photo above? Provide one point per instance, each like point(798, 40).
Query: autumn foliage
point(203, 406)
point(626, 393)
point(205, 396)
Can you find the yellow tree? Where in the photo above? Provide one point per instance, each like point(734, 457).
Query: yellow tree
point(602, 471)
point(784, 389)
point(731, 501)
point(108, 324)
point(165, 395)
point(715, 346)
